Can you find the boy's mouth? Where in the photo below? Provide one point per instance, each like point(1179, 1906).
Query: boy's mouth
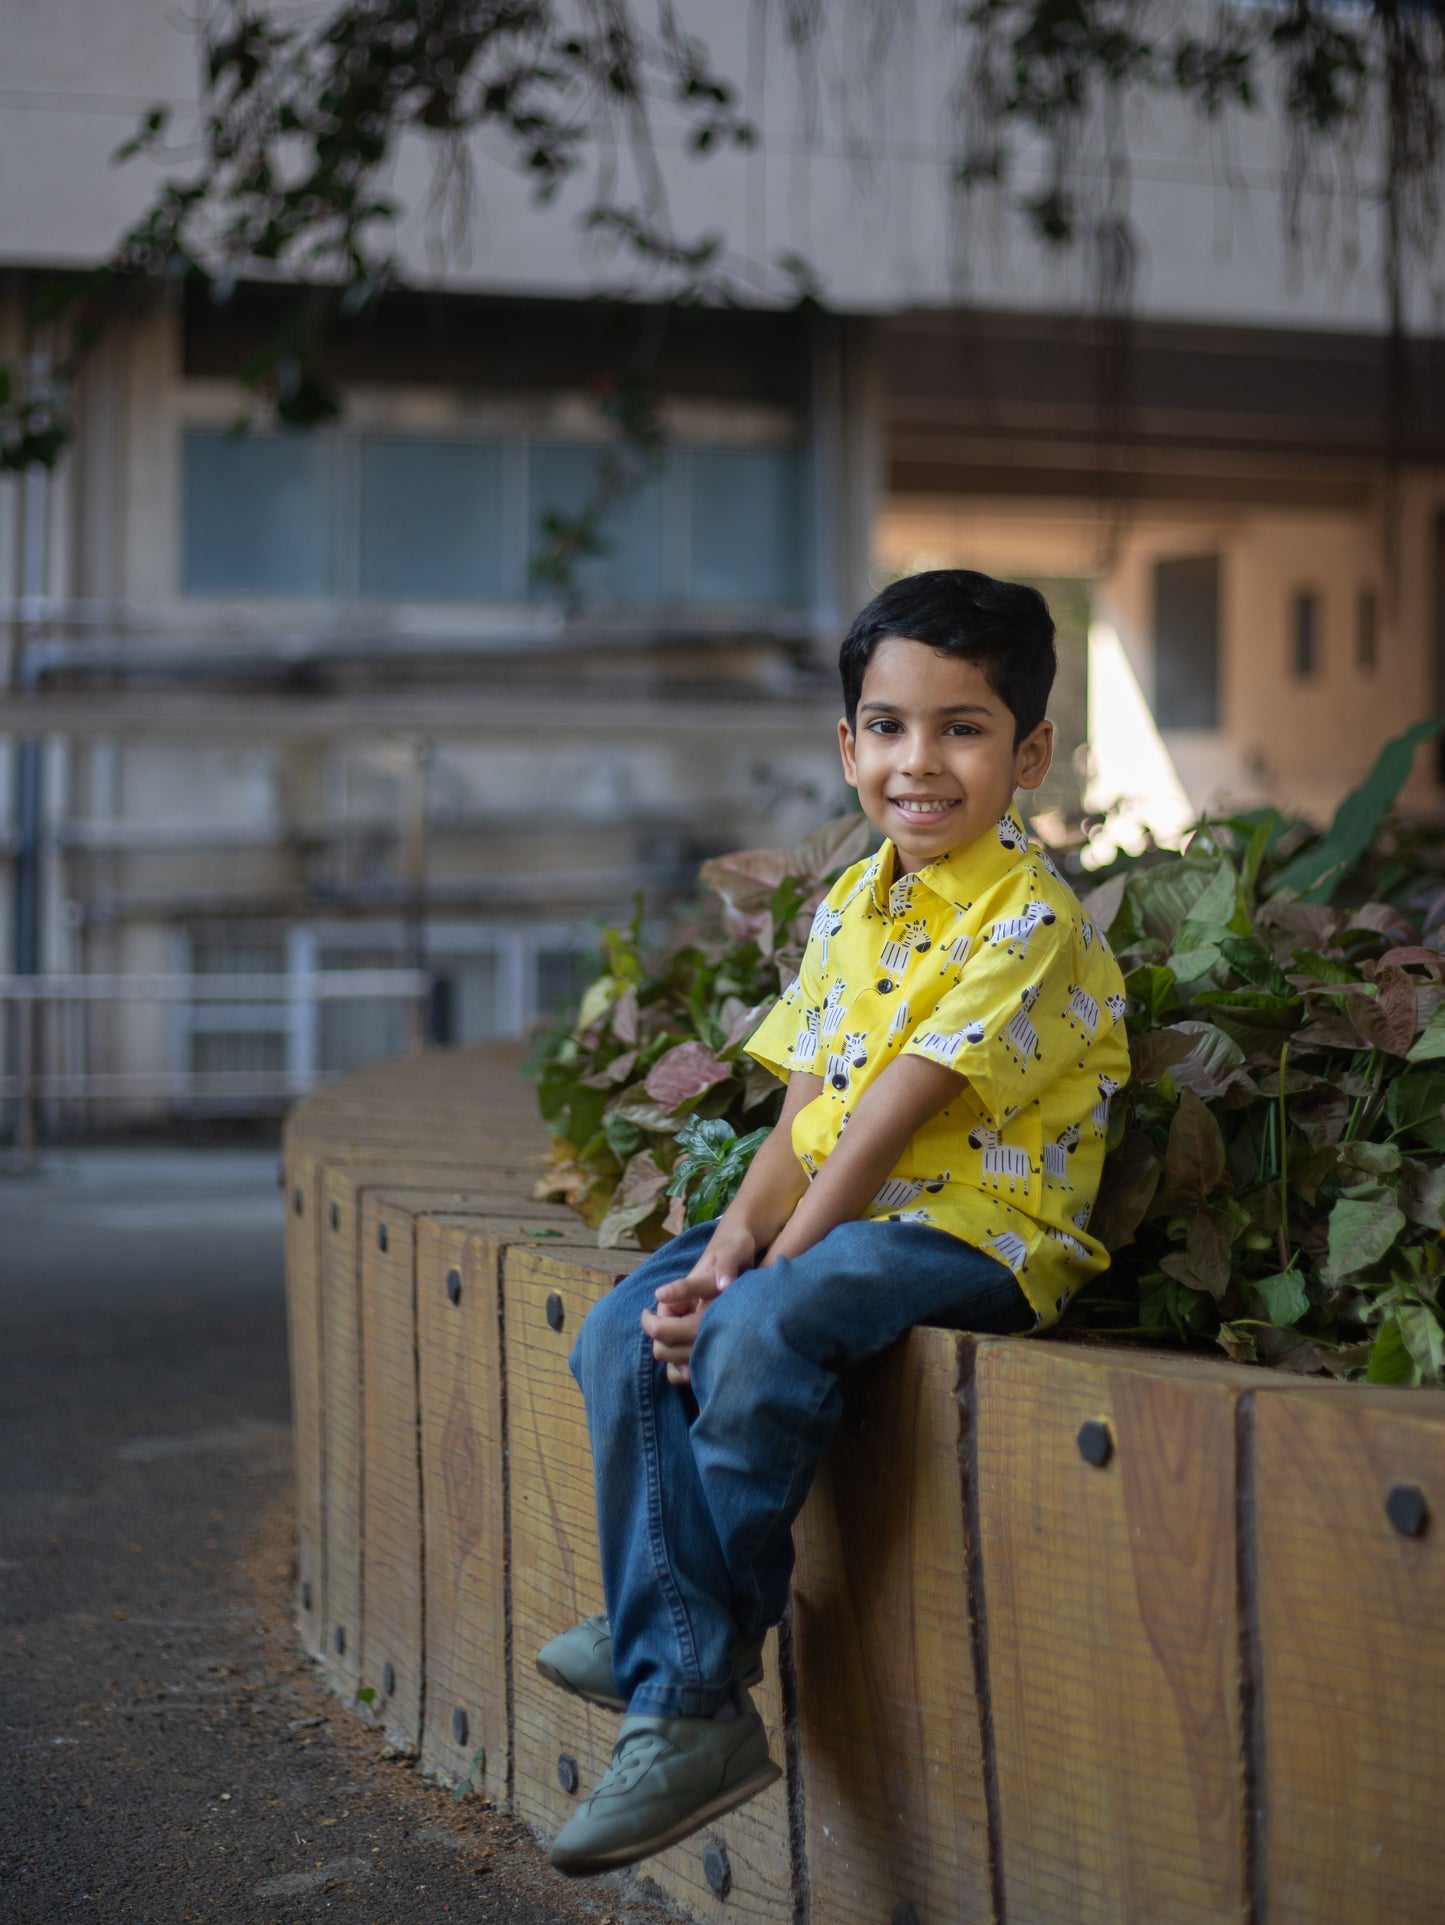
point(923, 808)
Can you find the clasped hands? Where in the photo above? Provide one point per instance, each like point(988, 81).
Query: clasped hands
point(674, 1324)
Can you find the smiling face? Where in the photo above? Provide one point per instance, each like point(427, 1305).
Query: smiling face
point(932, 755)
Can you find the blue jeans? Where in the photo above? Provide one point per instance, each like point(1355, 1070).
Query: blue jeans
point(697, 1489)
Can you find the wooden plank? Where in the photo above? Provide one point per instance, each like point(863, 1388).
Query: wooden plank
point(391, 1641)
point(554, 1543)
point(1352, 1660)
point(303, 1321)
point(554, 1530)
point(1113, 1636)
point(463, 1462)
point(342, 1194)
point(888, 1707)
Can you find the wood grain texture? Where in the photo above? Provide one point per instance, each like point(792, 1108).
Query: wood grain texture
point(1352, 1658)
point(464, 1494)
point(344, 1188)
point(889, 1716)
point(303, 1323)
point(554, 1530)
point(391, 1562)
point(1110, 1600)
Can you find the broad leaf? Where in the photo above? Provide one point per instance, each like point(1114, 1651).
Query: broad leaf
point(1390, 1359)
point(684, 1074)
point(1207, 1244)
point(1126, 1191)
point(636, 1198)
point(1315, 873)
point(1194, 1160)
point(837, 845)
point(1361, 1231)
point(1284, 1297)
point(1423, 1338)
point(1431, 1041)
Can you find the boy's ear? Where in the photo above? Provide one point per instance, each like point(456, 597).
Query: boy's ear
point(845, 747)
point(1034, 756)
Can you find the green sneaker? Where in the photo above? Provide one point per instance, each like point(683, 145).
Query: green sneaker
point(668, 1777)
point(580, 1661)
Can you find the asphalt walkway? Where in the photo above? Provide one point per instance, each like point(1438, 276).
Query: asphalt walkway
point(167, 1754)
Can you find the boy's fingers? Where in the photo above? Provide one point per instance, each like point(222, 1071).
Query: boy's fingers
point(678, 1374)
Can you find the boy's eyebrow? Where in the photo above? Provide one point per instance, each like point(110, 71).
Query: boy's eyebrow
point(949, 708)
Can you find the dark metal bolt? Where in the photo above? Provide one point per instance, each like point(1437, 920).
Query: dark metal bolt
point(336, 1216)
point(305, 1597)
point(298, 1202)
point(1407, 1510)
point(339, 1640)
point(568, 1776)
point(381, 1236)
point(903, 1914)
point(555, 1312)
point(388, 1680)
point(459, 1725)
point(716, 1869)
point(454, 1286)
point(1096, 1446)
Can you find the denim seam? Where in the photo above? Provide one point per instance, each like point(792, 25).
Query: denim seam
point(657, 1542)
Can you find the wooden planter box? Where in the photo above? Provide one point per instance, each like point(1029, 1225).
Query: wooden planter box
point(1077, 1634)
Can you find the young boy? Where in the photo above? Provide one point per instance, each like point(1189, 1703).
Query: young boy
point(950, 1046)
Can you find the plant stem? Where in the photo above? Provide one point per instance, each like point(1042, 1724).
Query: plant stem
point(1371, 1065)
point(1284, 1256)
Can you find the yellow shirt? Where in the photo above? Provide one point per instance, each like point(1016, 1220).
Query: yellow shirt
point(983, 961)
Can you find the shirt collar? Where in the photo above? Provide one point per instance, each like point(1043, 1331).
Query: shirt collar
point(960, 877)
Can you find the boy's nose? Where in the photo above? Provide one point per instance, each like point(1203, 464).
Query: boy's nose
point(918, 759)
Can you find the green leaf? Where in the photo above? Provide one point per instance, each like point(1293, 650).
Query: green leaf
point(1284, 1297)
point(1361, 1231)
point(1430, 1043)
point(1315, 873)
point(1414, 1107)
point(366, 1695)
point(1424, 1339)
point(1390, 1359)
point(1152, 987)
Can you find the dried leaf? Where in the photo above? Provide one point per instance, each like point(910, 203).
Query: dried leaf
point(635, 1199)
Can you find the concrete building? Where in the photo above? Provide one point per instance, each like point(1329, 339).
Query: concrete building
point(304, 707)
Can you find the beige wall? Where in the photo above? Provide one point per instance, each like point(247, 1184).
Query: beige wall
point(1300, 743)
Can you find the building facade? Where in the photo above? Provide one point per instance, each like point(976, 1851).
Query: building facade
point(298, 705)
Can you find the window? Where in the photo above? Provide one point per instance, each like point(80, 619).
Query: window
point(747, 525)
point(1304, 633)
point(431, 519)
point(359, 1030)
point(259, 514)
point(1186, 642)
point(234, 1055)
point(631, 566)
point(1366, 631)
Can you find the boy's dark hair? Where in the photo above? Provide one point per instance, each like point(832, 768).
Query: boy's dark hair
point(1003, 626)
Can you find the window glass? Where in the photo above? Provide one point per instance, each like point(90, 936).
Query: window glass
point(259, 514)
point(747, 525)
point(562, 976)
point(356, 1031)
point(1186, 642)
point(238, 1053)
point(467, 997)
point(563, 480)
point(1304, 634)
point(430, 519)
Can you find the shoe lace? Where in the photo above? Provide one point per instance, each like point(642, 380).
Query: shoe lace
point(631, 1758)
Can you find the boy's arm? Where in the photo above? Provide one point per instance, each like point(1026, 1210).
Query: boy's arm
point(890, 1110)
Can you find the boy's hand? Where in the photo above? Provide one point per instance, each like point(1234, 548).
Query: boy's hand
point(673, 1326)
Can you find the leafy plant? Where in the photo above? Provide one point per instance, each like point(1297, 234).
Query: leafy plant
point(1276, 1175)
point(655, 1110)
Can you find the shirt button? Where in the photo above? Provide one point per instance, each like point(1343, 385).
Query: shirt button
point(886, 985)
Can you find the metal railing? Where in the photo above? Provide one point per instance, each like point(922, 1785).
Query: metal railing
point(49, 1062)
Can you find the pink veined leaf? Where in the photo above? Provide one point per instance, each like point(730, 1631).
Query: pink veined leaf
point(1389, 1020)
point(635, 1199)
point(837, 845)
point(746, 880)
point(686, 1071)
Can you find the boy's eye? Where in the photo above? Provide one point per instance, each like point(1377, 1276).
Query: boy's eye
point(961, 728)
point(883, 725)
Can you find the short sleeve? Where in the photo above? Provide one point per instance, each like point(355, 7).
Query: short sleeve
point(1000, 1024)
point(787, 1038)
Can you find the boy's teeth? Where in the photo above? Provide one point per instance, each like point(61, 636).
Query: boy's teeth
point(925, 808)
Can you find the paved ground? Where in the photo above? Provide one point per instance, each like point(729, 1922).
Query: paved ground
point(166, 1754)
